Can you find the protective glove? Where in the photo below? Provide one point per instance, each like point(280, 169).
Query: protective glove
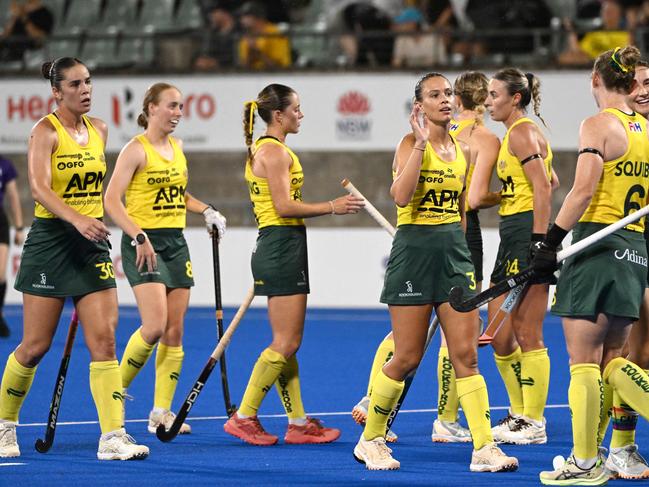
point(213, 217)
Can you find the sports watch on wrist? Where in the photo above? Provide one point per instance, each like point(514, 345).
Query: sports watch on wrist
point(139, 239)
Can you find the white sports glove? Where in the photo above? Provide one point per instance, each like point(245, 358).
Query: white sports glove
point(213, 217)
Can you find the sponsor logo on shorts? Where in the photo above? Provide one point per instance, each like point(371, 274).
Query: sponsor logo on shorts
point(636, 376)
point(43, 284)
point(631, 256)
point(409, 291)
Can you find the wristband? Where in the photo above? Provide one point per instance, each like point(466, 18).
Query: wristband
point(555, 236)
point(419, 148)
point(333, 209)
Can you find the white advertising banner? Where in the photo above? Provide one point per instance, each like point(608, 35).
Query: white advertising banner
point(343, 112)
point(346, 266)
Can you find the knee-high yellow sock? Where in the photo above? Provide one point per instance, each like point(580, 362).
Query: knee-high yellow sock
point(168, 364)
point(535, 381)
point(16, 382)
point(585, 399)
point(382, 355)
point(288, 388)
point(509, 367)
point(265, 372)
point(625, 420)
point(106, 388)
point(384, 397)
point(447, 400)
point(631, 383)
point(605, 413)
point(136, 354)
point(474, 399)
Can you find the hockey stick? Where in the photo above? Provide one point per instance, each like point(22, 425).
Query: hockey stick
point(168, 435)
point(456, 296)
point(496, 323)
point(43, 446)
point(434, 324)
point(229, 407)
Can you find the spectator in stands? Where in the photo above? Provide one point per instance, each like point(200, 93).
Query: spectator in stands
point(219, 49)
point(414, 48)
point(30, 22)
point(610, 35)
point(363, 44)
point(262, 46)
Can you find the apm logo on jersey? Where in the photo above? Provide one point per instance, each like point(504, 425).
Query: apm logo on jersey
point(90, 185)
point(169, 197)
point(443, 201)
point(353, 122)
point(635, 126)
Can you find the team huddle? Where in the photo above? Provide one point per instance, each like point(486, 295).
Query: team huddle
point(442, 171)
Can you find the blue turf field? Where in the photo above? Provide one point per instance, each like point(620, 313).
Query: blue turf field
point(334, 360)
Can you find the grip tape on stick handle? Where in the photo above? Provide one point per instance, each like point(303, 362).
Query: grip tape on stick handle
point(369, 207)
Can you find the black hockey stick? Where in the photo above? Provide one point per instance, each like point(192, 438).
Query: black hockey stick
point(456, 296)
point(43, 446)
point(229, 407)
point(168, 435)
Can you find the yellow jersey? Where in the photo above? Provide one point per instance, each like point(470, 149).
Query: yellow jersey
point(622, 187)
point(260, 197)
point(78, 172)
point(437, 197)
point(456, 127)
point(517, 195)
point(155, 197)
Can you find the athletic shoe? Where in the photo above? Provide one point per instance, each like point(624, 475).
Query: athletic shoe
point(571, 474)
point(311, 432)
point(359, 414)
point(8, 440)
point(505, 425)
point(375, 454)
point(4, 328)
point(167, 418)
point(119, 445)
point(249, 430)
point(524, 431)
point(627, 463)
point(490, 458)
point(446, 432)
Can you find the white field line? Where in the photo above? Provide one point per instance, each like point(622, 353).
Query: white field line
point(216, 418)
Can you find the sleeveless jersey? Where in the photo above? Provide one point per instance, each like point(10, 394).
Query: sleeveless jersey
point(262, 203)
point(455, 128)
point(155, 197)
point(622, 187)
point(518, 192)
point(436, 199)
point(78, 172)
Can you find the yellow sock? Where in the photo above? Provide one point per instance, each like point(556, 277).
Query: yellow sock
point(631, 383)
point(585, 399)
point(509, 367)
point(265, 372)
point(447, 400)
point(168, 364)
point(535, 381)
point(106, 388)
point(135, 356)
point(605, 413)
point(382, 355)
point(625, 420)
point(384, 397)
point(474, 398)
point(16, 382)
point(288, 388)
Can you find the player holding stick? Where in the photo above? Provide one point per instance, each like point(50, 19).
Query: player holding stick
point(600, 290)
point(525, 169)
point(429, 255)
point(67, 254)
point(279, 265)
point(155, 255)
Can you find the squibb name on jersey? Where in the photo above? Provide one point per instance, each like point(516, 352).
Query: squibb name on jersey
point(632, 168)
